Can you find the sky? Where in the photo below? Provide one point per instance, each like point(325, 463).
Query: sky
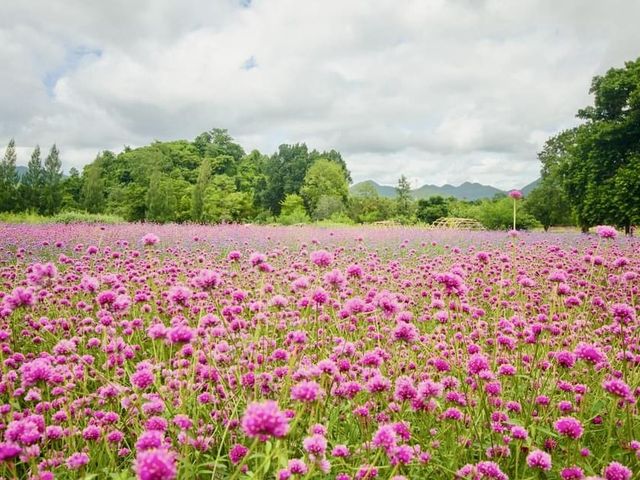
point(442, 91)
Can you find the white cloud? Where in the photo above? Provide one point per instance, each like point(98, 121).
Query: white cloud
point(442, 91)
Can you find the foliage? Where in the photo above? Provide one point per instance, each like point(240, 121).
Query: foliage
point(428, 210)
point(9, 179)
point(596, 160)
point(292, 211)
point(52, 175)
point(324, 179)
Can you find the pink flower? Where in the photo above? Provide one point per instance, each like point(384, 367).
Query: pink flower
point(515, 194)
point(321, 258)
point(150, 239)
point(156, 464)
point(569, 427)
point(264, 420)
point(617, 471)
point(307, 391)
point(606, 231)
point(539, 459)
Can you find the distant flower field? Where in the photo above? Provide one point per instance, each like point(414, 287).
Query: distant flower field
point(230, 352)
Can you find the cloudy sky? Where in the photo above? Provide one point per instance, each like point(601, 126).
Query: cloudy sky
point(441, 90)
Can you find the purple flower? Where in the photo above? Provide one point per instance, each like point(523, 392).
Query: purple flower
point(539, 459)
point(572, 473)
point(569, 427)
point(321, 258)
point(515, 194)
point(237, 453)
point(307, 391)
point(150, 239)
point(77, 460)
point(606, 231)
point(617, 471)
point(264, 420)
point(156, 464)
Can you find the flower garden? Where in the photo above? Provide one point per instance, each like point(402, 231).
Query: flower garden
point(234, 352)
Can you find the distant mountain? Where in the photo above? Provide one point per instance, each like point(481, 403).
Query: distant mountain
point(529, 188)
point(465, 191)
point(21, 170)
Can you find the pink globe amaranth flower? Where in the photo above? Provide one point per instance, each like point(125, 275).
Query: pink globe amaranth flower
point(9, 450)
point(77, 460)
point(515, 194)
point(150, 239)
point(482, 470)
point(307, 391)
point(617, 471)
point(297, 466)
point(316, 444)
point(606, 231)
point(207, 279)
point(156, 464)
point(572, 473)
point(237, 453)
point(617, 387)
point(20, 297)
point(406, 332)
point(179, 295)
point(257, 258)
point(623, 313)
point(340, 451)
point(321, 258)
point(539, 459)
point(385, 437)
point(142, 378)
point(569, 427)
point(264, 420)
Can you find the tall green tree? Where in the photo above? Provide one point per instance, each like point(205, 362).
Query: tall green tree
point(32, 183)
point(404, 201)
point(199, 190)
point(324, 179)
point(9, 179)
point(430, 209)
point(161, 203)
point(93, 188)
point(596, 168)
point(52, 179)
point(72, 190)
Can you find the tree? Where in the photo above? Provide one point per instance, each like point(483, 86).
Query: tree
point(9, 179)
point(285, 171)
point(32, 183)
point(430, 209)
point(223, 203)
point(161, 203)
point(328, 206)
point(199, 190)
point(367, 206)
point(324, 179)
point(52, 176)
point(93, 188)
point(72, 190)
point(293, 211)
point(404, 201)
point(596, 167)
point(548, 204)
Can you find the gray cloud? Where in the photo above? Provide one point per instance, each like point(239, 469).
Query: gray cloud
point(443, 91)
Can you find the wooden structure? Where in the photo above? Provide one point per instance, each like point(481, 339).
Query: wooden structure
point(453, 223)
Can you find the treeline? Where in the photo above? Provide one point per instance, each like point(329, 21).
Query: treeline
point(212, 180)
point(41, 188)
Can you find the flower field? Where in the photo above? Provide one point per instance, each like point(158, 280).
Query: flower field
point(162, 352)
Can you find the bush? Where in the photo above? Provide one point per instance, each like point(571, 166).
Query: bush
point(84, 217)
